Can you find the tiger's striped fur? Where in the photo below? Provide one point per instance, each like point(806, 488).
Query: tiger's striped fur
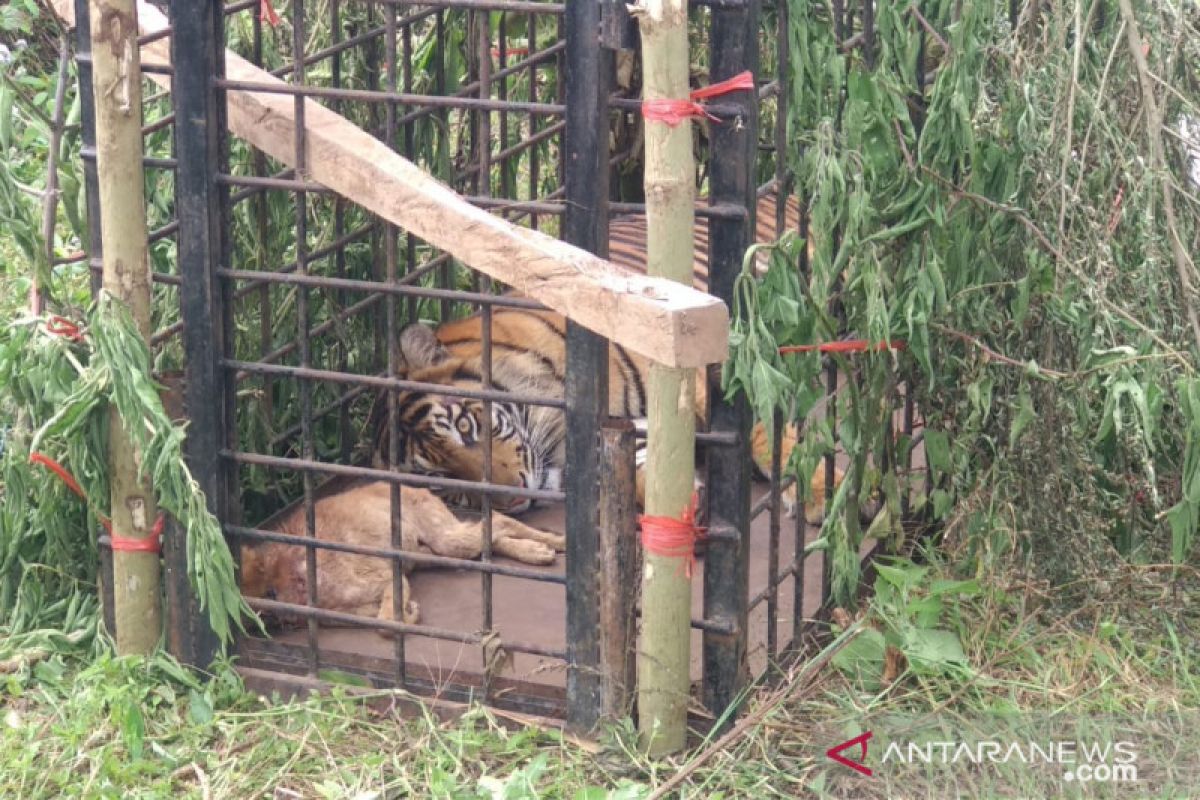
point(441, 435)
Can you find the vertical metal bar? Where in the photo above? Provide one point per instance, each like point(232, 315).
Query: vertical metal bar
point(831, 382)
point(392, 334)
point(588, 74)
point(619, 567)
point(446, 271)
point(410, 243)
point(87, 107)
point(197, 47)
point(266, 323)
point(773, 535)
point(345, 435)
point(483, 188)
point(733, 47)
point(534, 161)
point(307, 447)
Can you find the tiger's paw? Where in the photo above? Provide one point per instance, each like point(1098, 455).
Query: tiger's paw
point(526, 551)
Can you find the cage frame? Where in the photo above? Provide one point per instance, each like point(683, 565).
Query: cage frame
point(205, 192)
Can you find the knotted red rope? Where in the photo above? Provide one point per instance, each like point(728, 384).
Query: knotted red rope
point(149, 544)
point(673, 112)
point(511, 51)
point(673, 538)
point(267, 13)
point(847, 346)
point(61, 326)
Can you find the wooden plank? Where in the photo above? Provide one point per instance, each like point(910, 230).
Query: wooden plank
point(669, 323)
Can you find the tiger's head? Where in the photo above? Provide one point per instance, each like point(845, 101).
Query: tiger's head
point(442, 435)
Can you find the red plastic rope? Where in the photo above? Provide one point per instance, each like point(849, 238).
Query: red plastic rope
point(150, 544)
point(268, 14)
point(59, 470)
point(673, 112)
point(673, 538)
point(61, 326)
point(511, 51)
point(847, 346)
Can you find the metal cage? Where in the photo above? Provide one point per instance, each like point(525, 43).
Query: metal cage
point(527, 135)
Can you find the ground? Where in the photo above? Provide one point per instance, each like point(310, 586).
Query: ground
point(137, 728)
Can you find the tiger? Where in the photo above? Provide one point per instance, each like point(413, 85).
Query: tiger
point(442, 435)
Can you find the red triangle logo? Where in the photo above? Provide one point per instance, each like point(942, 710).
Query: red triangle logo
point(861, 740)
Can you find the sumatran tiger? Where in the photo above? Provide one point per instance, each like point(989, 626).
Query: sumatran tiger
point(441, 435)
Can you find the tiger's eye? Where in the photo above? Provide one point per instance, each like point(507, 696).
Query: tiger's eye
point(464, 425)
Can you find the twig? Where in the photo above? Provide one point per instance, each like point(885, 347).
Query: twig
point(50, 198)
point(1159, 163)
point(1066, 156)
point(747, 722)
point(1061, 257)
point(992, 354)
point(930, 29)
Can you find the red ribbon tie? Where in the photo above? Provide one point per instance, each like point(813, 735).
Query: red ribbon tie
point(268, 14)
point(673, 538)
point(673, 112)
point(847, 346)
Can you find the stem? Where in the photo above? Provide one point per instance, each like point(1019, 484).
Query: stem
point(116, 82)
point(664, 678)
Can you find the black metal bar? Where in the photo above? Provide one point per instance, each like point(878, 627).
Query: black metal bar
point(198, 48)
point(375, 286)
point(392, 332)
point(91, 183)
point(407, 98)
point(416, 558)
point(486, 5)
point(585, 151)
point(316, 614)
point(400, 478)
point(332, 376)
point(776, 495)
point(733, 48)
point(348, 397)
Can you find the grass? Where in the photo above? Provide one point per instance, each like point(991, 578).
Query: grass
point(146, 728)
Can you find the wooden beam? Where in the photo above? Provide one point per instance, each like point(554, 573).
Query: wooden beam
point(666, 322)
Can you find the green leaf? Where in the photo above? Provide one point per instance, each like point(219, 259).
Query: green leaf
point(200, 710)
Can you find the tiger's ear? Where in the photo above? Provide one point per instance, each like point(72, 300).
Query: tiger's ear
point(420, 347)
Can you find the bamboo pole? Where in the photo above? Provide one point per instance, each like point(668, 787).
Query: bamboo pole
point(664, 660)
point(116, 83)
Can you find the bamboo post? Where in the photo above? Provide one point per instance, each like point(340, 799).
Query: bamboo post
point(117, 88)
point(664, 678)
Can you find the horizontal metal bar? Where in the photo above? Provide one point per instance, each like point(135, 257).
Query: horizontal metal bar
point(472, 89)
point(330, 376)
point(89, 154)
point(428, 631)
point(346, 313)
point(355, 285)
point(402, 478)
point(526, 143)
point(534, 206)
point(404, 98)
point(484, 5)
point(730, 211)
point(332, 50)
point(261, 182)
point(348, 397)
point(97, 265)
point(765, 503)
point(407, 556)
point(709, 625)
